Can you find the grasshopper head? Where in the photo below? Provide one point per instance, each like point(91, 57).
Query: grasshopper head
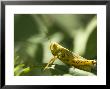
point(55, 47)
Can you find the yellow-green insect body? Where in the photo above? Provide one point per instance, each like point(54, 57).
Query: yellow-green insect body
point(69, 57)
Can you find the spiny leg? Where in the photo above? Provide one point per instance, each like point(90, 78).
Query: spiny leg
point(50, 62)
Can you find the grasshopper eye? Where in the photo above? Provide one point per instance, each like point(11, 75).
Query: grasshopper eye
point(54, 45)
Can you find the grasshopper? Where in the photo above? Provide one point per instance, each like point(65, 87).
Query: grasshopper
point(69, 58)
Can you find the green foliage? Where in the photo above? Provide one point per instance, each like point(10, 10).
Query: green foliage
point(20, 69)
point(32, 36)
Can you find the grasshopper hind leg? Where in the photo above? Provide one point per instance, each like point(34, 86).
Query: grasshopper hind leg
point(50, 62)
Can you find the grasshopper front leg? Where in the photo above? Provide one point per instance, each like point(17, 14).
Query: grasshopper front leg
point(50, 62)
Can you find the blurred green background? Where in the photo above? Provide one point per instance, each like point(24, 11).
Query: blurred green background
point(32, 36)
